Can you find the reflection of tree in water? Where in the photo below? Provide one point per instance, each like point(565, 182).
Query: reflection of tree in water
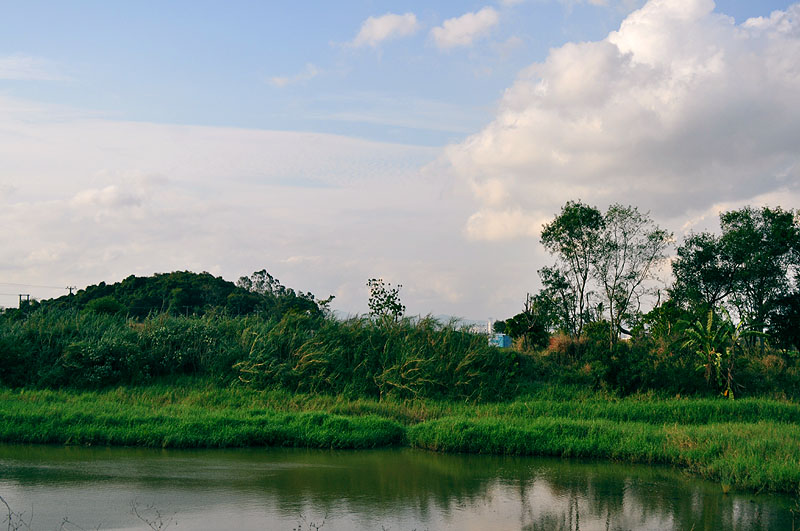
point(613, 496)
point(399, 480)
point(551, 494)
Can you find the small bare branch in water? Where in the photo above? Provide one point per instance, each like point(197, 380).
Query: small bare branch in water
point(151, 515)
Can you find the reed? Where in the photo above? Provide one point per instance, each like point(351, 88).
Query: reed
point(62, 348)
point(757, 456)
point(754, 447)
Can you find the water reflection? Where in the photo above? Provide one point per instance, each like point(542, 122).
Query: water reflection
point(391, 489)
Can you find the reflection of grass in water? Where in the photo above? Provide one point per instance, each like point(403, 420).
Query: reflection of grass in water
point(727, 441)
point(387, 482)
point(760, 456)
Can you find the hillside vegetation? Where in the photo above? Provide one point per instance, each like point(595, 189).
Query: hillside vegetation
point(191, 360)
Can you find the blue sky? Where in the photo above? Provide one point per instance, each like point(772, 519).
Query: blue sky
point(333, 142)
point(205, 63)
point(209, 63)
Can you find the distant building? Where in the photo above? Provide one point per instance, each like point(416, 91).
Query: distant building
point(500, 340)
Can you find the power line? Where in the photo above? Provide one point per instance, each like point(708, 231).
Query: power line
point(31, 285)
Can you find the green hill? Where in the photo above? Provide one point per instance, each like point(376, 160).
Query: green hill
point(188, 293)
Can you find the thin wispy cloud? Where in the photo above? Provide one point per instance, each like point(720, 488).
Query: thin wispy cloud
point(114, 198)
point(25, 67)
point(376, 30)
point(464, 30)
point(309, 73)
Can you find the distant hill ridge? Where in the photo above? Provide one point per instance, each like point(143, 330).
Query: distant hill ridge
point(189, 293)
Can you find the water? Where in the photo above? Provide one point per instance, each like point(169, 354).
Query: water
point(396, 490)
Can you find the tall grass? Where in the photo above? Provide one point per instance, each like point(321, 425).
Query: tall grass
point(758, 456)
point(65, 348)
point(48, 417)
point(360, 358)
point(754, 447)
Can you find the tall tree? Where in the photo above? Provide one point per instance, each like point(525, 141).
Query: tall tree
point(704, 273)
point(573, 237)
point(762, 245)
point(275, 297)
point(630, 248)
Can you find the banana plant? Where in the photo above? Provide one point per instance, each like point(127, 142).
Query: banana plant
point(715, 342)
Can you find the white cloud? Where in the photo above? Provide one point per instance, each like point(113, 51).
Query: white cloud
point(309, 73)
point(109, 197)
point(464, 30)
point(322, 212)
point(25, 67)
point(375, 30)
point(503, 224)
point(678, 110)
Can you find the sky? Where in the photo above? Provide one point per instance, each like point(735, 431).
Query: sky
point(422, 142)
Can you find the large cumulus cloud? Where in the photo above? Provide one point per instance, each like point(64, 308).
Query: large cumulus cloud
point(677, 110)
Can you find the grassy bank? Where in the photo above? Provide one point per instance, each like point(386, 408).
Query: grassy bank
point(749, 443)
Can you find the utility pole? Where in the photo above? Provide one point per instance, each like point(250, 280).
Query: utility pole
point(27, 298)
point(70, 288)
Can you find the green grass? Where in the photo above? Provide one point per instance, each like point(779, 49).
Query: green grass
point(762, 455)
point(57, 417)
point(414, 358)
point(749, 443)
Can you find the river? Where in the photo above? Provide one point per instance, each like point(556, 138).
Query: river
point(398, 490)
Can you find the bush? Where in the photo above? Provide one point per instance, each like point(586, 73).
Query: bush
point(359, 357)
point(62, 347)
point(105, 305)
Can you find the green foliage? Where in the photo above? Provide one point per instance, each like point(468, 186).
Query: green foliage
point(269, 336)
point(186, 293)
point(277, 299)
point(384, 301)
point(533, 324)
point(573, 236)
point(68, 348)
point(763, 245)
point(631, 247)
point(704, 272)
point(749, 267)
point(105, 305)
point(103, 420)
point(359, 357)
point(530, 327)
point(749, 443)
point(784, 321)
point(618, 251)
point(716, 341)
point(760, 456)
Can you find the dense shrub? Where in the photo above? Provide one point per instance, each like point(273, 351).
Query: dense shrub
point(359, 357)
point(301, 352)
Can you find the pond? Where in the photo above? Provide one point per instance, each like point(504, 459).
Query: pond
point(288, 489)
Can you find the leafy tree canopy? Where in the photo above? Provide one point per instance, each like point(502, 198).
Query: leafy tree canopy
point(188, 293)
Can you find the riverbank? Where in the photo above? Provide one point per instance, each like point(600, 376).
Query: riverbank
point(748, 444)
